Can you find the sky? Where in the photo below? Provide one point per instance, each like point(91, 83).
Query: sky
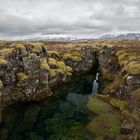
point(81, 18)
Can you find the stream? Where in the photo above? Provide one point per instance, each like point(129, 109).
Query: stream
point(63, 116)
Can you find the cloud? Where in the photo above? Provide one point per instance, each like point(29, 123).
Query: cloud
point(87, 18)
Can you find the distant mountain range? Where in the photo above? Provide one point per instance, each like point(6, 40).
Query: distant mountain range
point(129, 36)
point(67, 38)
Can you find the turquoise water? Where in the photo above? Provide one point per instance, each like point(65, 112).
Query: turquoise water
point(63, 116)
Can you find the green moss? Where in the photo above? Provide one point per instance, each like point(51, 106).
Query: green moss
point(60, 67)
point(3, 61)
point(50, 53)
point(125, 57)
point(1, 84)
point(36, 49)
point(120, 52)
point(22, 76)
point(52, 61)
point(120, 104)
point(105, 125)
point(74, 57)
point(69, 70)
point(53, 73)
point(132, 68)
point(136, 94)
point(97, 106)
point(6, 52)
point(22, 49)
point(44, 65)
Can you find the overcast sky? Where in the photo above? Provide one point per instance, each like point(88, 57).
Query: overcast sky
point(83, 18)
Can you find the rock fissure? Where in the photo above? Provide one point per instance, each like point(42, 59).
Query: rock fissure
point(30, 72)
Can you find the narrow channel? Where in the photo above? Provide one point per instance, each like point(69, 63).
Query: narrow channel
point(63, 116)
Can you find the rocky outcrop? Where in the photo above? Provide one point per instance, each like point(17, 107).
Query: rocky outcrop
point(120, 84)
point(28, 71)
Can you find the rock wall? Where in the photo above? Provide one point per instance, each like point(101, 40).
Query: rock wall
point(120, 86)
point(28, 71)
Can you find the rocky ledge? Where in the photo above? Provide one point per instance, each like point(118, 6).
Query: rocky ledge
point(28, 71)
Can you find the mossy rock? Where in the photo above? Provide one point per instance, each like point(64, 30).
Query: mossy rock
point(132, 68)
point(53, 73)
point(22, 49)
point(22, 76)
point(69, 70)
point(59, 67)
point(136, 94)
point(98, 106)
point(6, 52)
point(3, 61)
point(74, 57)
point(53, 53)
point(1, 84)
point(52, 62)
point(37, 49)
point(44, 65)
point(105, 124)
point(120, 104)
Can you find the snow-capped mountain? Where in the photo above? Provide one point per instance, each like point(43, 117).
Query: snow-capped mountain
point(68, 38)
point(63, 38)
point(129, 36)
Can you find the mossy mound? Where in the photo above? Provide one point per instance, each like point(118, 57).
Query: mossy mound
point(132, 68)
point(97, 106)
point(22, 76)
point(3, 61)
point(6, 52)
point(58, 67)
point(120, 104)
point(74, 55)
point(21, 48)
point(44, 65)
point(105, 125)
point(130, 60)
point(136, 94)
point(107, 121)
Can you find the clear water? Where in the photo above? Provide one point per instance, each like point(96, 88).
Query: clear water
point(63, 116)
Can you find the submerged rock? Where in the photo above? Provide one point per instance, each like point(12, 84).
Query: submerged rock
point(106, 123)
